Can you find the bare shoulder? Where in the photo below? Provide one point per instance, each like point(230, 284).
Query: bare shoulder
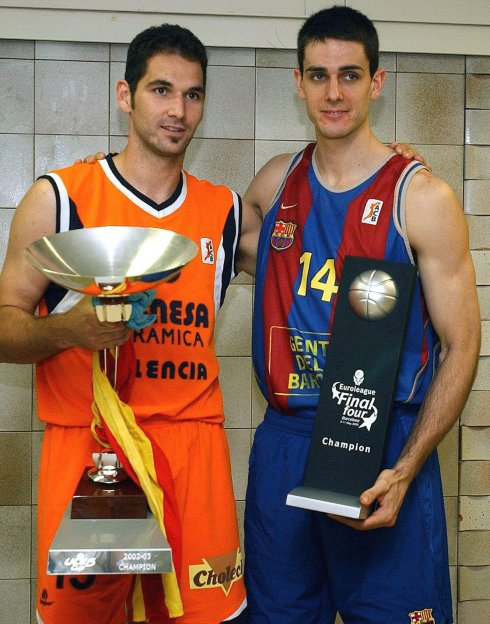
point(261, 191)
point(35, 217)
point(433, 210)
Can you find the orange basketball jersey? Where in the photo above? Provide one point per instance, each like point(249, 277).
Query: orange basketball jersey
point(176, 376)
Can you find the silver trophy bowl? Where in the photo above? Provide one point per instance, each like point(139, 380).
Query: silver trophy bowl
point(111, 261)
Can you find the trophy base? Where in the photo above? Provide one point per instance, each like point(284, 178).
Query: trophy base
point(121, 500)
point(315, 499)
point(135, 546)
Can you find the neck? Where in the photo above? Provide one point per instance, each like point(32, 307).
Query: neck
point(346, 161)
point(154, 175)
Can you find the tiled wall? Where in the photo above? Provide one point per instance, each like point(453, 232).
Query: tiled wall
point(57, 104)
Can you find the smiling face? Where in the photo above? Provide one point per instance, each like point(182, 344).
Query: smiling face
point(337, 87)
point(167, 105)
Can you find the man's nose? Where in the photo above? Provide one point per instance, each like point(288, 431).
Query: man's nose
point(177, 107)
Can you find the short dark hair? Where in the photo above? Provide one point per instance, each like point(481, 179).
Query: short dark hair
point(340, 22)
point(167, 38)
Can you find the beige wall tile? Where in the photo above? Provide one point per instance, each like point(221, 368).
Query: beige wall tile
point(11, 48)
point(474, 512)
point(451, 506)
point(430, 108)
point(53, 151)
point(6, 215)
point(118, 121)
point(68, 97)
point(222, 161)
point(475, 478)
point(477, 197)
point(276, 58)
point(479, 227)
point(231, 56)
point(473, 548)
point(474, 583)
point(72, 51)
point(481, 260)
point(482, 380)
point(15, 543)
point(226, 117)
point(240, 512)
point(484, 299)
point(477, 127)
point(478, 91)
point(16, 393)
point(382, 112)
point(453, 579)
point(239, 441)
point(485, 338)
point(474, 612)
point(34, 542)
point(477, 410)
point(118, 52)
point(233, 327)
point(259, 405)
point(477, 162)
point(16, 165)
point(15, 601)
point(431, 63)
point(446, 162)
point(279, 111)
point(475, 443)
point(448, 452)
point(36, 441)
point(265, 150)
point(15, 466)
point(16, 101)
point(478, 64)
point(235, 375)
point(388, 60)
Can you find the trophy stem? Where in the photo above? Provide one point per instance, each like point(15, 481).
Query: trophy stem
point(116, 360)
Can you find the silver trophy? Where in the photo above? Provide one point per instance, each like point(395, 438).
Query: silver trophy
point(110, 263)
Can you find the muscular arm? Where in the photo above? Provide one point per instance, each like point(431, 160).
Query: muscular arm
point(438, 234)
point(25, 338)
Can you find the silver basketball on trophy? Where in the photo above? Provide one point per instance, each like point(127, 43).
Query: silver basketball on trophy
point(373, 295)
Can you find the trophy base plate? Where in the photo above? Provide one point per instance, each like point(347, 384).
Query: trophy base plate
point(315, 499)
point(134, 546)
point(122, 500)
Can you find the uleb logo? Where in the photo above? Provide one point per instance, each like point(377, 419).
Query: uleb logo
point(220, 571)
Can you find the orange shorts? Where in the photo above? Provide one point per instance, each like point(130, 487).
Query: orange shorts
point(199, 458)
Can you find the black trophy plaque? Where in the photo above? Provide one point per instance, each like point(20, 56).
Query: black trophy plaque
point(358, 385)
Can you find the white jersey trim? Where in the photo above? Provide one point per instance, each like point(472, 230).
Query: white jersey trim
point(64, 212)
point(159, 214)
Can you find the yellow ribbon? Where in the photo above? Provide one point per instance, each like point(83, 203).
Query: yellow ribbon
point(120, 418)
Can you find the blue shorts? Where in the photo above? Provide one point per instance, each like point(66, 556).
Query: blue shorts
point(302, 567)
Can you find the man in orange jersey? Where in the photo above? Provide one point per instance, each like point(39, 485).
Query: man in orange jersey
point(176, 397)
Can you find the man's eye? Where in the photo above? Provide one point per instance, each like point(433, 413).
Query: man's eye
point(319, 76)
point(161, 90)
point(193, 95)
point(351, 76)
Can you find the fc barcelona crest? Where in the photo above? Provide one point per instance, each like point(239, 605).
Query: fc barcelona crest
point(283, 235)
point(422, 617)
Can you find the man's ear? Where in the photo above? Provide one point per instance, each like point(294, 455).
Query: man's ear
point(377, 83)
point(299, 82)
point(123, 96)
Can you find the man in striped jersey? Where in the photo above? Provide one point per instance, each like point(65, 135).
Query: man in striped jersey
point(348, 194)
